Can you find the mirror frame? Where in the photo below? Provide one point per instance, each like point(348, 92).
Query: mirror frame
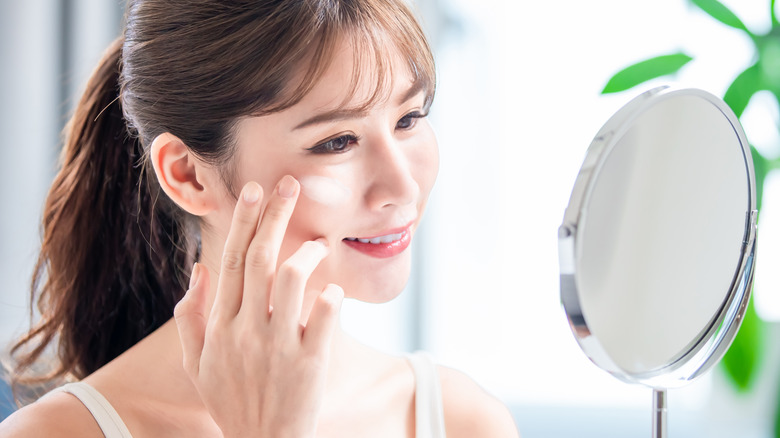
point(713, 341)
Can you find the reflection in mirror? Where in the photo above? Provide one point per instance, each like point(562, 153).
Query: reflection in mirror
point(657, 243)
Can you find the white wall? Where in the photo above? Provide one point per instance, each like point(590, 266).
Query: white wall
point(517, 106)
point(29, 116)
point(47, 52)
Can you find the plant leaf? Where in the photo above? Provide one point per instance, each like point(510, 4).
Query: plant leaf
point(772, 13)
point(761, 167)
point(744, 86)
point(720, 12)
point(777, 421)
point(644, 71)
point(741, 360)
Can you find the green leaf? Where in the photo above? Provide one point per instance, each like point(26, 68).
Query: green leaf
point(761, 167)
point(777, 421)
point(744, 86)
point(772, 13)
point(741, 360)
point(769, 60)
point(644, 71)
point(720, 12)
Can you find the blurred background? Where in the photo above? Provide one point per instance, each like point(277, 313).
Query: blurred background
point(517, 105)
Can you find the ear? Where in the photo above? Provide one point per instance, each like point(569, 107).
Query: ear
point(182, 176)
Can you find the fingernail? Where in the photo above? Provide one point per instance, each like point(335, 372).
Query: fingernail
point(194, 275)
point(287, 187)
point(334, 293)
point(251, 193)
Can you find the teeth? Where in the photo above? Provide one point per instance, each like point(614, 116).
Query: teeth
point(381, 239)
point(386, 239)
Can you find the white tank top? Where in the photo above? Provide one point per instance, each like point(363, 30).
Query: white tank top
point(429, 413)
point(105, 415)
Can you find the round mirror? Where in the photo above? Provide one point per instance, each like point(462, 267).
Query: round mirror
point(657, 243)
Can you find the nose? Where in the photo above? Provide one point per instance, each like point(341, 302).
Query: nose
point(391, 176)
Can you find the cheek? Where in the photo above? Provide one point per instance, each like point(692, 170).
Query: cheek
point(324, 190)
point(312, 220)
point(324, 205)
point(309, 221)
point(424, 161)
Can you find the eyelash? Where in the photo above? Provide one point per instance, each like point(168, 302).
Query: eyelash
point(412, 118)
point(342, 143)
point(327, 147)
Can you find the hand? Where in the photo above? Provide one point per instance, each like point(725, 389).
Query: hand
point(259, 372)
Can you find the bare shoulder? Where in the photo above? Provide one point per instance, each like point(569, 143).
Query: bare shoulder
point(57, 415)
point(470, 411)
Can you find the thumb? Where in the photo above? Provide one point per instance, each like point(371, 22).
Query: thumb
point(190, 318)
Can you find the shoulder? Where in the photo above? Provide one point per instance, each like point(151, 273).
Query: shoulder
point(470, 411)
point(56, 415)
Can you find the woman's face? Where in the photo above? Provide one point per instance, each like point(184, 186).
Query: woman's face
point(364, 175)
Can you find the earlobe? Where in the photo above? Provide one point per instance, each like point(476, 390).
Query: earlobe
point(181, 174)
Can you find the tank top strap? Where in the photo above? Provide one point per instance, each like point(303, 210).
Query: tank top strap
point(105, 415)
point(429, 409)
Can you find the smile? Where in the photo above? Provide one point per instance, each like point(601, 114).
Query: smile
point(388, 238)
point(384, 246)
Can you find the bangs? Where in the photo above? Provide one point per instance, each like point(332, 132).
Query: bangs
point(377, 32)
point(306, 36)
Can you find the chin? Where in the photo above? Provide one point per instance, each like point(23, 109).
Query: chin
point(377, 295)
point(379, 284)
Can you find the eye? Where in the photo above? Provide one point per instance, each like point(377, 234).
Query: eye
point(336, 145)
point(408, 121)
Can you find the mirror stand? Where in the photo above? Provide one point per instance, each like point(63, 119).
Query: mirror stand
point(659, 413)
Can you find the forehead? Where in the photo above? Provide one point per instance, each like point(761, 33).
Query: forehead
point(349, 86)
point(358, 77)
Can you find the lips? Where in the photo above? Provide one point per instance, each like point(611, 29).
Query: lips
point(389, 244)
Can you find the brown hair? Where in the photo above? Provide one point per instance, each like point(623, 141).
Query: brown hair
point(116, 253)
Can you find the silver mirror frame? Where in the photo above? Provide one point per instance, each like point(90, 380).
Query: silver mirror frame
point(713, 342)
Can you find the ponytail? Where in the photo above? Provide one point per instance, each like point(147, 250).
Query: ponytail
point(115, 254)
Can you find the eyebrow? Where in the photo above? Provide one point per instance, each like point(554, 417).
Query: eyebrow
point(353, 113)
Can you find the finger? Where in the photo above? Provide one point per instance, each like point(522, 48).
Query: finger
point(231, 273)
point(323, 320)
point(263, 252)
point(190, 318)
point(290, 284)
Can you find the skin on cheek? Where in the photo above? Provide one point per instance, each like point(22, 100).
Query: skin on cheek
point(325, 190)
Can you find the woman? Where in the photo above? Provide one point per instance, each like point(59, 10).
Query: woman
point(284, 146)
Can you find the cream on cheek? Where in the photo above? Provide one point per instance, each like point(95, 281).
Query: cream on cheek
point(325, 190)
